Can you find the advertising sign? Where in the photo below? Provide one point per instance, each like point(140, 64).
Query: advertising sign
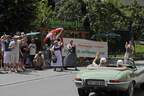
point(87, 48)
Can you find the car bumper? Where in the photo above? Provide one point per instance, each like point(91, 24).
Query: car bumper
point(121, 86)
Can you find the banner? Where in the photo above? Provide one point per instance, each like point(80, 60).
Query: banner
point(87, 48)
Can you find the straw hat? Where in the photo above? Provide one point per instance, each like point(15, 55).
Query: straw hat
point(56, 41)
point(15, 37)
point(103, 60)
point(40, 52)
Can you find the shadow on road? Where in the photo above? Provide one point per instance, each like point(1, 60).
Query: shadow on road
point(138, 92)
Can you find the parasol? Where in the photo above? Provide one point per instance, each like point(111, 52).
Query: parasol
point(51, 33)
point(32, 33)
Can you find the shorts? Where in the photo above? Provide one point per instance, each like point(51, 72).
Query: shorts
point(15, 58)
point(7, 57)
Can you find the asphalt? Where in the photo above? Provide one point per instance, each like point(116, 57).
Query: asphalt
point(32, 80)
point(140, 62)
point(30, 75)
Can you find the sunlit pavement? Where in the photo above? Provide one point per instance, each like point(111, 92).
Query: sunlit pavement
point(42, 83)
point(38, 83)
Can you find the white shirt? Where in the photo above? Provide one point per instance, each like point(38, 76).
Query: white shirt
point(32, 49)
point(16, 46)
point(70, 46)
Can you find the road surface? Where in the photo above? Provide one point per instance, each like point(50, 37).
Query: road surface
point(42, 83)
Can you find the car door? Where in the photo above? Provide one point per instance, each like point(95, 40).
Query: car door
point(139, 74)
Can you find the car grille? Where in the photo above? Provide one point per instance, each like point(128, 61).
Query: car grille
point(93, 82)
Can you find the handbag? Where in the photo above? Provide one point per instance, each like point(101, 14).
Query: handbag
point(54, 58)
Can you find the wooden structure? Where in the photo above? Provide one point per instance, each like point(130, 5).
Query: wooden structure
point(81, 32)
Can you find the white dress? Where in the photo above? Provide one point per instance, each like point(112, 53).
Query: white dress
point(58, 54)
point(127, 53)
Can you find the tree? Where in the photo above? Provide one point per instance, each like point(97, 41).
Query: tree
point(99, 16)
point(103, 16)
point(135, 17)
point(70, 9)
point(22, 15)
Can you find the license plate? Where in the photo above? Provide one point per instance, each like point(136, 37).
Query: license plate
point(96, 83)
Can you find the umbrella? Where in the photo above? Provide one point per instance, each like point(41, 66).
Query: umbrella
point(32, 33)
point(51, 33)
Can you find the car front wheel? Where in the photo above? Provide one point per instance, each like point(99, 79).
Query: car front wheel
point(83, 92)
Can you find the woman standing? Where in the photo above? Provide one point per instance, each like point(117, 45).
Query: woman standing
point(56, 51)
point(71, 58)
point(129, 51)
point(23, 53)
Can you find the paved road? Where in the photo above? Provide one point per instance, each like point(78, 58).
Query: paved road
point(41, 83)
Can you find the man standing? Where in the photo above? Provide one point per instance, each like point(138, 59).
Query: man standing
point(1, 53)
point(14, 46)
point(7, 53)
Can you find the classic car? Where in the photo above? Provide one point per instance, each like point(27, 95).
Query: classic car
point(111, 79)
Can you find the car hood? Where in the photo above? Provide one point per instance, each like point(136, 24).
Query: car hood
point(99, 74)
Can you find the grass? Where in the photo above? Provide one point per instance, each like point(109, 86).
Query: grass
point(139, 48)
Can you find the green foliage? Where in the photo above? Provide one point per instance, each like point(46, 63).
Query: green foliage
point(136, 19)
point(69, 10)
point(43, 13)
point(103, 16)
point(100, 16)
point(22, 15)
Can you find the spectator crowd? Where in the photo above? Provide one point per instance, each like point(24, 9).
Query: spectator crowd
point(19, 52)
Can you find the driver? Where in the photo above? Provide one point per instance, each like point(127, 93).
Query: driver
point(120, 63)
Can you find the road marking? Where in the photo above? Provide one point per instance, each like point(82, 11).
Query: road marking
point(36, 79)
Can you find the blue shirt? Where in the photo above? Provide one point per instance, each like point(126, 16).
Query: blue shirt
point(6, 45)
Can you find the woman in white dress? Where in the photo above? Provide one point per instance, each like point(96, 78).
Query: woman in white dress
point(56, 51)
point(129, 51)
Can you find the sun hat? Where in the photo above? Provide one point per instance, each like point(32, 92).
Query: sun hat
point(102, 60)
point(119, 62)
point(56, 41)
point(16, 37)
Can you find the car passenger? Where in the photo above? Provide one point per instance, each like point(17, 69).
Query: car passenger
point(120, 63)
point(96, 61)
point(103, 62)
